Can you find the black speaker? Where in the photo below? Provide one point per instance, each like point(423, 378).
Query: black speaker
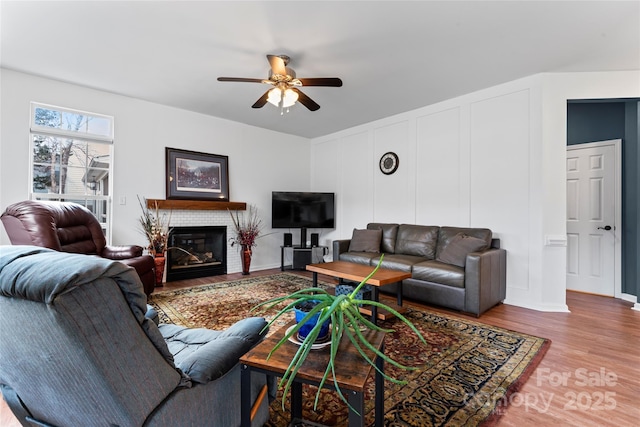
point(314, 240)
point(301, 257)
point(288, 239)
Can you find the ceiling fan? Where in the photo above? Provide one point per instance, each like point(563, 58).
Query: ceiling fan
point(285, 92)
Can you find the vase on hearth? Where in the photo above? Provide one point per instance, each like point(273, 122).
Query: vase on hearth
point(160, 262)
point(246, 259)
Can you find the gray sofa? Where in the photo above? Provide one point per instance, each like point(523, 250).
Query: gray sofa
point(459, 268)
point(79, 347)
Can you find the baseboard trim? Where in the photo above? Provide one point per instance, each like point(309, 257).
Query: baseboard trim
point(559, 308)
point(628, 297)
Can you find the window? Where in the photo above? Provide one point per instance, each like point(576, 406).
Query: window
point(71, 159)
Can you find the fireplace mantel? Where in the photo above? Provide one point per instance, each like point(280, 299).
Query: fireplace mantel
point(196, 205)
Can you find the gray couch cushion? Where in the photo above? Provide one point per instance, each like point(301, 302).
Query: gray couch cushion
point(389, 234)
point(359, 257)
point(418, 240)
point(398, 262)
point(439, 272)
point(365, 241)
point(459, 247)
point(447, 233)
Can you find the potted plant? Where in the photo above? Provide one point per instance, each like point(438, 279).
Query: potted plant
point(247, 229)
point(156, 229)
point(301, 311)
point(343, 312)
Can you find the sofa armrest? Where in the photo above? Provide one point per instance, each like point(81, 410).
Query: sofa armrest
point(339, 247)
point(121, 252)
point(485, 280)
point(204, 354)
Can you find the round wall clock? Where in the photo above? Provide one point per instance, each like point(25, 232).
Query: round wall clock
point(389, 163)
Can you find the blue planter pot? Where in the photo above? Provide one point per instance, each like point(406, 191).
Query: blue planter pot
point(310, 324)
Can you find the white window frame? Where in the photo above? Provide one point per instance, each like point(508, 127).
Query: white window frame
point(35, 129)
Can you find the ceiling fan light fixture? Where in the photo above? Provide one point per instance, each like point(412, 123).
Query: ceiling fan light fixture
point(289, 98)
point(282, 98)
point(275, 95)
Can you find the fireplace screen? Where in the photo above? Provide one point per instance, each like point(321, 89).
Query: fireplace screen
point(196, 252)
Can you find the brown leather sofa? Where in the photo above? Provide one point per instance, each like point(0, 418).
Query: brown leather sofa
point(459, 268)
point(70, 227)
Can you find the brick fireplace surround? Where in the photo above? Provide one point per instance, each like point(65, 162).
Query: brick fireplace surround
point(188, 213)
point(195, 218)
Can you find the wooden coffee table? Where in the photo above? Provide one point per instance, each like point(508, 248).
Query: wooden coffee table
point(352, 372)
point(357, 273)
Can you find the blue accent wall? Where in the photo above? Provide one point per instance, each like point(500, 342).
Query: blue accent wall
point(595, 121)
point(616, 119)
point(631, 201)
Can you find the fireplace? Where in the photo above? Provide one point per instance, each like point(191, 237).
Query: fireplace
point(196, 252)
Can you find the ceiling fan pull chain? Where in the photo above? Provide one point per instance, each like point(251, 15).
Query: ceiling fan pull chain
point(282, 102)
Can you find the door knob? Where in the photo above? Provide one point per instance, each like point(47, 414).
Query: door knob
point(606, 227)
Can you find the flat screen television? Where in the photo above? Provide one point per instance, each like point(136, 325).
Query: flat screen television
point(295, 209)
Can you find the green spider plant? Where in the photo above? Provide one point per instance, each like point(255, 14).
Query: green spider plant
point(343, 311)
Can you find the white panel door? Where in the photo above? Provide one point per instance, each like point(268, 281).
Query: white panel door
point(591, 224)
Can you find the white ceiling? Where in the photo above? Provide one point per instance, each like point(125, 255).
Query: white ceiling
point(392, 56)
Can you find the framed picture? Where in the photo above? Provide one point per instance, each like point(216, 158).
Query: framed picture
point(197, 176)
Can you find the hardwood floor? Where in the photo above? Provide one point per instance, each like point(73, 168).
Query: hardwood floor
point(589, 377)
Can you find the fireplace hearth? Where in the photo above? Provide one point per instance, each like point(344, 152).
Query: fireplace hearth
point(196, 252)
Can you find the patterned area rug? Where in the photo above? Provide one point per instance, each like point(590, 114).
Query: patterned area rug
point(466, 373)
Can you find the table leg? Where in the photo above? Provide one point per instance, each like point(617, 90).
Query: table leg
point(356, 400)
point(315, 279)
point(374, 309)
point(379, 401)
point(400, 293)
point(245, 396)
point(281, 258)
point(296, 401)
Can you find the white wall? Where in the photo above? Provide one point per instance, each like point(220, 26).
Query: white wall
point(493, 158)
point(257, 157)
point(557, 89)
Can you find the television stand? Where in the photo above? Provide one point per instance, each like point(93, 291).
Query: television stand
point(302, 256)
point(303, 237)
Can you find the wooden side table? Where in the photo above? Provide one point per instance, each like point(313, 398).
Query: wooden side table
point(352, 372)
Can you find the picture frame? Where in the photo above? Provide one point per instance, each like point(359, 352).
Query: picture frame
point(192, 175)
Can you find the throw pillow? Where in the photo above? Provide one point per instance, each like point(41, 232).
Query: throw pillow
point(365, 241)
point(459, 246)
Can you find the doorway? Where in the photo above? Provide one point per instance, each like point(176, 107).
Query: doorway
point(594, 217)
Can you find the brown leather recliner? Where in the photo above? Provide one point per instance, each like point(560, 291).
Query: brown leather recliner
point(70, 227)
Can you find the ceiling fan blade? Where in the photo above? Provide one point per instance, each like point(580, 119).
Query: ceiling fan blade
point(305, 100)
point(239, 79)
point(261, 101)
point(322, 81)
point(277, 65)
